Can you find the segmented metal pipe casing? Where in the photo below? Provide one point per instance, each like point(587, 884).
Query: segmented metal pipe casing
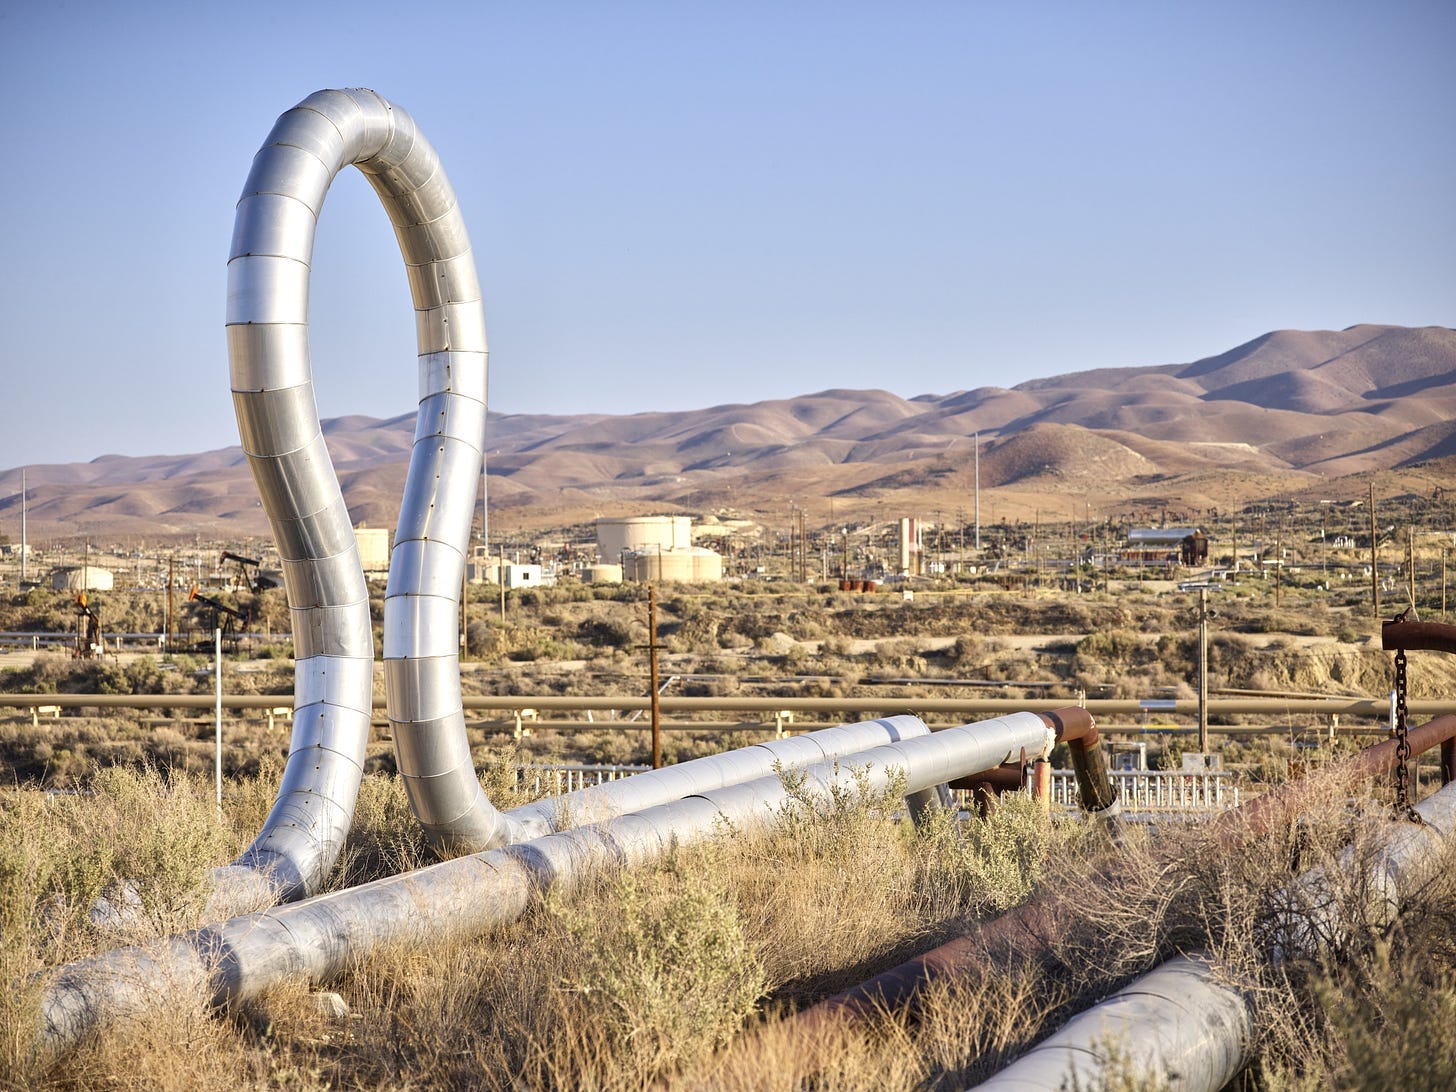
point(1177, 1026)
point(653, 787)
point(464, 897)
point(273, 394)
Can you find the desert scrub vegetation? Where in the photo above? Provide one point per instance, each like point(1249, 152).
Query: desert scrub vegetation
point(654, 974)
point(636, 977)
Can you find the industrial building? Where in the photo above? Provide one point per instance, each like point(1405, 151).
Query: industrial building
point(1165, 546)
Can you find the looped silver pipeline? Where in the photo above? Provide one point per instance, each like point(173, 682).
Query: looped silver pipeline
point(267, 322)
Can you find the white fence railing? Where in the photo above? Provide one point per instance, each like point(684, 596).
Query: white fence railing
point(1139, 790)
point(1158, 790)
point(547, 780)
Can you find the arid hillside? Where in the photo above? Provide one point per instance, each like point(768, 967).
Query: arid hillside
point(1283, 413)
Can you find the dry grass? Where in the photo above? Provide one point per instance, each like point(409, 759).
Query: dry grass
point(642, 978)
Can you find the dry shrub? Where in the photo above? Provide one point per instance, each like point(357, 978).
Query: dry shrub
point(662, 961)
point(979, 866)
point(384, 838)
point(137, 838)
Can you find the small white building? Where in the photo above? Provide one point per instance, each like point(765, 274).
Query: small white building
point(522, 576)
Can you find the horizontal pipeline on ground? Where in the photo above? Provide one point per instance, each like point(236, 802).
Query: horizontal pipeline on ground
point(1342, 706)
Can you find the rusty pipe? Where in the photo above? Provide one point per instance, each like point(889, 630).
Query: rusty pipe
point(1258, 814)
point(1076, 727)
point(1418, 637)
point(1025, 929)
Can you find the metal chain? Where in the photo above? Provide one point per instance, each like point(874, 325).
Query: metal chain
point(1403, 807)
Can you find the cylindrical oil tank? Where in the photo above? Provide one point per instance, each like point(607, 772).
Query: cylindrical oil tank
point(83, 578)
point(373, 548)
point(692, 565)
point(616, 537)
point(601, 573)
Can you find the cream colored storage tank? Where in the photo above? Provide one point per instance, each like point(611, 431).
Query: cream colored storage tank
point(601, 573)
point(82, 578)
point(692, 565)
point(373, 549)
point(616, 537)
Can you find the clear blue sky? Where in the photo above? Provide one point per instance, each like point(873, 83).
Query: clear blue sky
point(675, 205)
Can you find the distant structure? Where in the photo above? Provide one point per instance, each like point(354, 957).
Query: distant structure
point(911, 544)
point(82, 578)
point(631, 534)
point(1166, 546)
point(601, 572)
point(694, 564)
point(519, 575)
point(373, 549)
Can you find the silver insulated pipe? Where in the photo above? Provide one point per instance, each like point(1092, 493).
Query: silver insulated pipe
point(267, 325)
point(470, 895)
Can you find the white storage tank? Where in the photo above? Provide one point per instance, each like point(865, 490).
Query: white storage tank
point(692, 565)
point(82, 578)
point(616, 537)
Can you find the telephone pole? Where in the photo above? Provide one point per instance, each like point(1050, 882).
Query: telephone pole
point(652, 660)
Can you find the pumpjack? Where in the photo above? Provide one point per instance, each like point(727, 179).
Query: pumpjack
point(228, 619)
point(250, 572)
point(89, 641)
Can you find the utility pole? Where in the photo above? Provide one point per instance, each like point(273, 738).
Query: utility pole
point(1410, 562)
point(652, 660)
point(1278, 568)
point(804, 534)
point(1374, 559)
point(501, 577)
point(978, 491)
point(171, 604)
point(24, 544)
point(1203, 670)
point(217, 714)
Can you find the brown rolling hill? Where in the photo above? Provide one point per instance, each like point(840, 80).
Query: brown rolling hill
point(1288, 411)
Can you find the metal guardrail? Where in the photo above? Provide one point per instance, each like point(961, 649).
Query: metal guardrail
point(1377, 708)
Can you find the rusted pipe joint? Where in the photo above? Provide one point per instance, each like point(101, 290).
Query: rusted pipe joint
point(1071, 724)
point(1076, 727)
point(1417, 637)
